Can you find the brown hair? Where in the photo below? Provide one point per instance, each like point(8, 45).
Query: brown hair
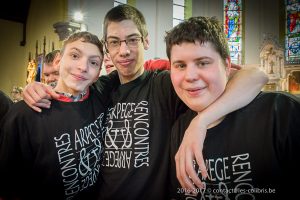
point(201, 29)
point(84, 36)
point(50, 56)
point(125, 12)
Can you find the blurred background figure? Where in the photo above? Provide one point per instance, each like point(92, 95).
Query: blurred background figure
point(158, 63)
point(51, 68)
point(16, 94)
point(150, 65)
point(108, 64)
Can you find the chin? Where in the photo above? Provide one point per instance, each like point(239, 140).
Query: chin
point(126, 72)
point(196, 106)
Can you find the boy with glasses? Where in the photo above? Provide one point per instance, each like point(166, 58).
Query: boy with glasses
point(144, 107)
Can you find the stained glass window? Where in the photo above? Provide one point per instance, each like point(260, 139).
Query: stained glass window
point(233, 28)
point(292, 38)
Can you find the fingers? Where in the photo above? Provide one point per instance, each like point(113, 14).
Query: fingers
point(30, 93)
point(36, 95)
point(190, 169)
point(32, 106)
point(181, 174)
point(44, 103)
point(50, 91)
point(39, 92)
point(202, 167)
point(187, 169)
point(178, 175)
point(235, 66)
point(190, 150)
point(185, 158)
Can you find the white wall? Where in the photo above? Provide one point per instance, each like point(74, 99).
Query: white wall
point(208, 8)
point(158, 16)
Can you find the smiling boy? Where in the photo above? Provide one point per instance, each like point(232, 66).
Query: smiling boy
point(251, 153)
point(56, 154)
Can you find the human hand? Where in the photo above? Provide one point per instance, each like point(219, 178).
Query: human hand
point(235, 66)
point(37, 95)
point(190, 149)
point(234, 69)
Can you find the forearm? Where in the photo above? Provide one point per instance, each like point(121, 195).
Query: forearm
point(241, 89)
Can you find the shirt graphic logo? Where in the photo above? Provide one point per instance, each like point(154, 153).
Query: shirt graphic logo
point(127, 135)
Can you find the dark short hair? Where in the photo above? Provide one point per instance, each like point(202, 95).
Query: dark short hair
point(202, 30)
point(125, 12)
point(50, 56)
point(84, 36)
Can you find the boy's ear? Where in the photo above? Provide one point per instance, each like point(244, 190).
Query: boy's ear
point(57, 60)
point(228, 66)
point(146, 42)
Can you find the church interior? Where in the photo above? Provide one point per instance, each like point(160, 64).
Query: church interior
point(263, 34)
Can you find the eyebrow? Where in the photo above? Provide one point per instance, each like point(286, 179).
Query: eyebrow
point(96, 57)
point(92, 56)
point(203, 57)
point(197, 59)
point(74, 48)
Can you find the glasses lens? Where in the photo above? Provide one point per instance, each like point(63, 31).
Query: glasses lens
point(131, 42)
point(113, 43)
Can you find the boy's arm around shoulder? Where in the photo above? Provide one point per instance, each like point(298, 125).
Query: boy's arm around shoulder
point(37, 95)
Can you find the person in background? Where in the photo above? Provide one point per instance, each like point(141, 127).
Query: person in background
point(16, 94)
point(164, 64)
point(56, 154)
point(157, 64)
point(251, 153)
point(51, 68)
point(150, 65)
point(108, 64)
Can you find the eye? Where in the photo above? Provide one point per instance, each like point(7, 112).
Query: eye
point(95, 63)
point(74, 56)
point(113, 42)
point(179, 66)
point(133, 40)
point(202, 63)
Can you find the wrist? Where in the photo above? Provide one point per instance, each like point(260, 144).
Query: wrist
point(203, 119)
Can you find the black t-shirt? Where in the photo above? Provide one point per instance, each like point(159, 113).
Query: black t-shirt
point(55, 154)
point(136, 154)
point(251, 154)
point(5, 103)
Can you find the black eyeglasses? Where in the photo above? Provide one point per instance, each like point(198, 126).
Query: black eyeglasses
point(131, 42)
